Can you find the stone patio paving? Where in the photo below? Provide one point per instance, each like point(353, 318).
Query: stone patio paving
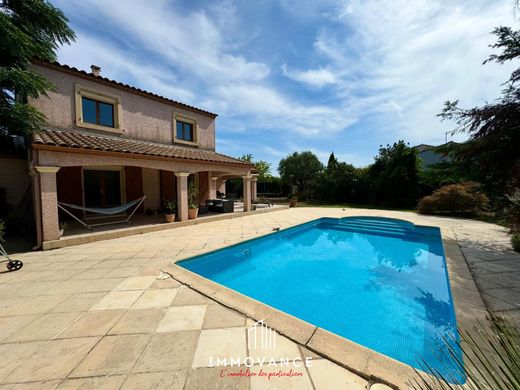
point(98, 316)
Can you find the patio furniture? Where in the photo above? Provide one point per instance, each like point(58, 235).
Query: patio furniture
point(104, 211)
point(221, 205)
point(12, 265)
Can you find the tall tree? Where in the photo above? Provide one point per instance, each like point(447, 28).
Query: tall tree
point(494, 128)
point(395, 175)
point(263, 168)
point(299, 169)
point(30, 29)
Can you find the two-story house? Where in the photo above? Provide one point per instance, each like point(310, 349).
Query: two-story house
point(108, 143)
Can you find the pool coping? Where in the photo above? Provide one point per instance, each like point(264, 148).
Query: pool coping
point(369, 364)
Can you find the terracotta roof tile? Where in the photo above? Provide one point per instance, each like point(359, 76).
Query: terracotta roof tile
point(70, 139)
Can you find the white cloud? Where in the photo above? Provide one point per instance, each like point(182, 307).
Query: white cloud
point(314, 77)
point(401, 60)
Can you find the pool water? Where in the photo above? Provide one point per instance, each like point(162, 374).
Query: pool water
point(379, 282)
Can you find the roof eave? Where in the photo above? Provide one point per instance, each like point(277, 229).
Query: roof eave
point(116, 84)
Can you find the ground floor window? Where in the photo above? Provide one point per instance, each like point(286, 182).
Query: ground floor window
point(102, 188)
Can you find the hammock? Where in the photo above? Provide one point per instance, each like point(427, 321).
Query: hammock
point(103, 211)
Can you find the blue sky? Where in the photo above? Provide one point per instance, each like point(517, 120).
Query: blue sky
point(291, 75)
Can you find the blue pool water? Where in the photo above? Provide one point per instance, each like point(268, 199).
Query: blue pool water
point(379, 282)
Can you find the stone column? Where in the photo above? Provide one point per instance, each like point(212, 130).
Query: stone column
point(213, 187)
point(254, 182)
point(49, 203)
point(246, 184)
point(182, 195)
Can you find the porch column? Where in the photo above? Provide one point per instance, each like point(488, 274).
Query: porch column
point(49, 203)
point(246, 184)
point(213, 187)
point(182, 195)
point(254, 182)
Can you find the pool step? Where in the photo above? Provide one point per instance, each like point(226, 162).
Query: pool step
point(378, 223)
point(371, 229)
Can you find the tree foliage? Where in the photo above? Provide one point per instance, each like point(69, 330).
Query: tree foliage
point(299, 169)
point(394, 176)
point(494, 128)
point(30, 29)
point(339, 182)
point(263, 168)
point(462, 198)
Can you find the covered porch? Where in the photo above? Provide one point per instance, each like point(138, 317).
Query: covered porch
point(101, 172)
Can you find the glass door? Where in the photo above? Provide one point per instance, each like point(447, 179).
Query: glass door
point(102, 188)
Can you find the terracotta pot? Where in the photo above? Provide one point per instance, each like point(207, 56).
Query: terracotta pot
point(192, 213)
point(170, 217)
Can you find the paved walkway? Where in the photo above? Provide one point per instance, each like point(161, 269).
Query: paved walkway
point(101, 316)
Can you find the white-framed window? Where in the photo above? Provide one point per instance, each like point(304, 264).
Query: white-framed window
point(185, 130)
point(98, 111)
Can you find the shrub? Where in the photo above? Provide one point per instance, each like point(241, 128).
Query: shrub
point(462, 198)
point(515, 241)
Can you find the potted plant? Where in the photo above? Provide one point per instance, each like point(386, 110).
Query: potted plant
point(170, 209)
point(193, 201)
point(63, 226)
point(293, 200)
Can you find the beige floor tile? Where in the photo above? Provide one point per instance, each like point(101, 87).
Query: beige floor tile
point(179, 318)
point(99, 285)
point(79, 302)
point(168, 351)
point(93, 323)
point(53, 360)
point(138, 321)
point(220, 343)
point(45, 327)
point(11, 325)
point(282, 348)
point(166, 283)
point(135, 283)
point(117, 300)
point(112, 355)
point(155, 298)
point(218, 316)
point(112, 382)
point(209, 378)
point(15, 354)
point(327, 375)
point(45, 385)
point(187, 296)
point(299, 381)
point(121, 272)
point(156, 380)
point(30, 305)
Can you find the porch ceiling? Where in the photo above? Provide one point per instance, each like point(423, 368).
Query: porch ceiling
point(74, 140)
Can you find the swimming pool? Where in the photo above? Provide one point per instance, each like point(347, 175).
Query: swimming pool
point(379, 282)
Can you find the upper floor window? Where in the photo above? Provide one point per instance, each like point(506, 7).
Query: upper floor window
point(97, 110)
point(184, 131)
point(98, 113)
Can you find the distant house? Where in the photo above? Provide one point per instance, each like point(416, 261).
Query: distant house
point(429, 156)
point(108, 143)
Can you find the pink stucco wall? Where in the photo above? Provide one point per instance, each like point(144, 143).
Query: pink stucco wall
point(142, 118)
